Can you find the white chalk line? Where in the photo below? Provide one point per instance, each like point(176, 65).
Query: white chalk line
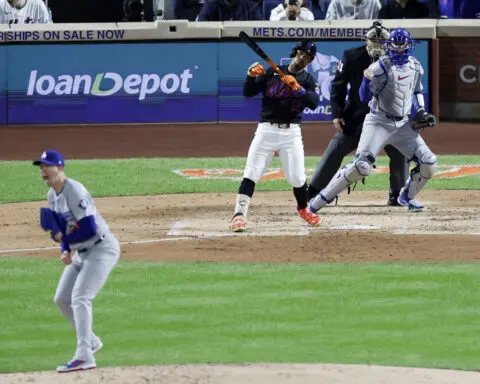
point(20, 250)
point(179, 235)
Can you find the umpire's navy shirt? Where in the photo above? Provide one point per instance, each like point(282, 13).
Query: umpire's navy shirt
point(413, 10)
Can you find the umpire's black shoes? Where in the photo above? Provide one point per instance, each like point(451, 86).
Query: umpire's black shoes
point(392, 200)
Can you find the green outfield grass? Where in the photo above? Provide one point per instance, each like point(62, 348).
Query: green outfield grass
point(422, 315)
point(127, 177)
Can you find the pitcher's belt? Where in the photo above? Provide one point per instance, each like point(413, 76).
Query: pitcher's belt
point(83, 250)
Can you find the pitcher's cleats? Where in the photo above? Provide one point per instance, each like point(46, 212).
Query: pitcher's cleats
point(76, 365)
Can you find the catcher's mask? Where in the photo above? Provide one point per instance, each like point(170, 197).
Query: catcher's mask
point(399, 46)
point(306, 46)
point(376, 37)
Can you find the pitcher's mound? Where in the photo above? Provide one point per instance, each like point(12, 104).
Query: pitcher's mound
point(250, 374)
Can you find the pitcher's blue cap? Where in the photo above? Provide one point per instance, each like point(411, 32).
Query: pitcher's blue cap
point(51, 157)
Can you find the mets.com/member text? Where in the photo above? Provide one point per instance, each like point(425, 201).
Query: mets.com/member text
point(320, 33)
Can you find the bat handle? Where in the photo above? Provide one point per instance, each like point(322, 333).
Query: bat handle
point(275, 67)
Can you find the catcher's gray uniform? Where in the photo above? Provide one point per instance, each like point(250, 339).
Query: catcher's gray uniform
point(94, 259)
point(393, 88)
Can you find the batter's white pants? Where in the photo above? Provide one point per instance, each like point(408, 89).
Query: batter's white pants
point(287, 142)
point(80, 283)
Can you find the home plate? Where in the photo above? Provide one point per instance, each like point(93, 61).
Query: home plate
point(353, 227)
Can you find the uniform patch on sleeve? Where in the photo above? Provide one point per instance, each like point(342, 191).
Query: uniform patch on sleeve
point(83, 204)
point(317, 90)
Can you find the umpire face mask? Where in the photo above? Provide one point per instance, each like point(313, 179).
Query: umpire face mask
point(375, 48)
point(376, 37)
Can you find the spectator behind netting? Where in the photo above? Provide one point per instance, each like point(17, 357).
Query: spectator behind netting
point(353, 9)
point(460, 9)
point(404, 9)
point(228, 10)
point(133, 10)
point(291, 10)
point(24, 12)
point(87, 11)
point(187, 9)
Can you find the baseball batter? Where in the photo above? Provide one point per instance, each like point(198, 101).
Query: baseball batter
point(88, 249)
point(391, 85)
point(284, 99)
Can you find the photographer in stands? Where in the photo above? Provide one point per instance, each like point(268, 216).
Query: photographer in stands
point(228, 10)
point(291, 10)
point(353, 9)
point(24, 12)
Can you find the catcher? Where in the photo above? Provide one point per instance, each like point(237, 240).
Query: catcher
point(348, 116)
point(391, 87)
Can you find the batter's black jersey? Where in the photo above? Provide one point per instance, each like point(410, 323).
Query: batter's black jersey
point(279, 105)
point(350, 71)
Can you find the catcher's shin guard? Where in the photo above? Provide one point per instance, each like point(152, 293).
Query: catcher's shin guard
point(424, 171)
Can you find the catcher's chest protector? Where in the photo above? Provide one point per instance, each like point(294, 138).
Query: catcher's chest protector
point(399, 86)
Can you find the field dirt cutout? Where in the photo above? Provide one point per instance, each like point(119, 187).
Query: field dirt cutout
point(195, 227)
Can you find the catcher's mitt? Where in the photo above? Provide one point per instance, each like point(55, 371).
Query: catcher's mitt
point(423, 119)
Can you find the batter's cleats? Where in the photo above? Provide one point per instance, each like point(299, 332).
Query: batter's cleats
point(97, 345)
point(239, 224)
point(310, 217)
point(76, 365)
point(413, 204)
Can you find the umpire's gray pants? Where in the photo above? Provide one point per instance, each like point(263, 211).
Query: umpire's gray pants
point(340, 146)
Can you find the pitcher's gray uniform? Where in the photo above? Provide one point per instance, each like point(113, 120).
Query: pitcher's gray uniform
point(82, 280)
point(393, 88)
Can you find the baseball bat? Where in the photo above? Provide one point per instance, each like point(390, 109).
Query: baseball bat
point(259, 51)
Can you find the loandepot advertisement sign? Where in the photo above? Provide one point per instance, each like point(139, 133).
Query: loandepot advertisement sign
point(108, 84)
point(112, 83)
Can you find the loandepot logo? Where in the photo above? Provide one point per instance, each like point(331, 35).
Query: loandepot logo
point(108, 84)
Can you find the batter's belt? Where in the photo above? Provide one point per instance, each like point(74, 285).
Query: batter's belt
point(278, 125)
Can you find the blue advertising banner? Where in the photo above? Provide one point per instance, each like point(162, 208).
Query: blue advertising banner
point(3, 86)
point(151, 82)
point(235, 58)
point(112, 83)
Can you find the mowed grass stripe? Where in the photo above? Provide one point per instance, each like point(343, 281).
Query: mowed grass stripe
point(333, 313)
point(129, 177)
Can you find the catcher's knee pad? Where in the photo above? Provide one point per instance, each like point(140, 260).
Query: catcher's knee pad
point(360, 167)
point(427, 161)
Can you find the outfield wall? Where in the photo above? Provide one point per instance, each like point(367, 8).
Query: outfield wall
point(179, 71)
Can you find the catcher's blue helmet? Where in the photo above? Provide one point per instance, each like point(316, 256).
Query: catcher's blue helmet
point(399, 46)
point(306, 46)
